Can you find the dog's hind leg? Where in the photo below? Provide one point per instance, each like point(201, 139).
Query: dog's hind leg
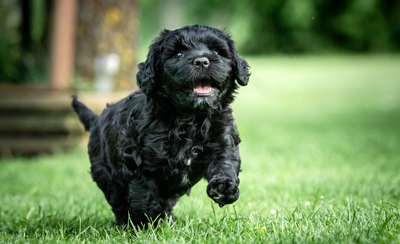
point(144, 206)
point(168, 206)
point(117, 199)
point(114, 192)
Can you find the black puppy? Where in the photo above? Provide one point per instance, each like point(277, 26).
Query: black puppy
point(150, 148)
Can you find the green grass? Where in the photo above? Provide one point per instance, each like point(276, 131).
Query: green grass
point(320, 157)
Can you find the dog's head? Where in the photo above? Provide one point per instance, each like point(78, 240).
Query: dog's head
point(193, 67)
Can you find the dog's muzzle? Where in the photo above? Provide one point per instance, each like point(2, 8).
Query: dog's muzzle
point(202, 88)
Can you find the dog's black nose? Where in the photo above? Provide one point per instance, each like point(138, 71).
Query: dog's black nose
point(201, 62)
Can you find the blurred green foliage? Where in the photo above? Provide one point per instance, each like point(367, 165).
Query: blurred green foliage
point(9, 36)
point(258, 27)
point(24, 41)
point(296, 26)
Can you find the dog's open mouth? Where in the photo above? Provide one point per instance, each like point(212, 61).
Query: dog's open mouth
point(203, 89)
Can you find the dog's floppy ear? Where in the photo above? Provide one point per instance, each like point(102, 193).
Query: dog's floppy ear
point(240, 66)
point(149, 71)
point(241, 70)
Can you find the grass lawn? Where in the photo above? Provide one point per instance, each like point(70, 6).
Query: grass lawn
point(320, 157)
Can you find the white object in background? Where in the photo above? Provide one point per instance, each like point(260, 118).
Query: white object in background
point(106, 67)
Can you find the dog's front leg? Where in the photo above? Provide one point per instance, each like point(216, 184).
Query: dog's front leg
point(223, 181)
point(143, 204)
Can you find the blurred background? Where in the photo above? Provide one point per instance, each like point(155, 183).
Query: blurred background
point(50, 49)
point(127, 27)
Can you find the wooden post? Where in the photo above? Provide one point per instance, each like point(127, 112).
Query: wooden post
point(63, 44)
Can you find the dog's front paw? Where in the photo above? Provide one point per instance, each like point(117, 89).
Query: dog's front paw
point(222, 190)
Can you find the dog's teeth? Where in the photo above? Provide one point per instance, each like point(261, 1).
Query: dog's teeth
point(189, 162)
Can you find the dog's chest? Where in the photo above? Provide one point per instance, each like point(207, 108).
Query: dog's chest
point(175, 153)
point(190, 163)
point(186, 158)
point(186, 155)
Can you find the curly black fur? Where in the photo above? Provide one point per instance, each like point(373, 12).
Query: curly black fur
point(150, 148)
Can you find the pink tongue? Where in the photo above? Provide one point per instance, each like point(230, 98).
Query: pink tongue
point(202, 89)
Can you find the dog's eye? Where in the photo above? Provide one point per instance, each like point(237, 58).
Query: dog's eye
point(215, 52)
point(179, 55)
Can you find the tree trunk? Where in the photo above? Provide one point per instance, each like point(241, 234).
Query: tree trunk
point(104, 27)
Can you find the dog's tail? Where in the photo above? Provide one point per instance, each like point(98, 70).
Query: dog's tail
point(86, 116)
